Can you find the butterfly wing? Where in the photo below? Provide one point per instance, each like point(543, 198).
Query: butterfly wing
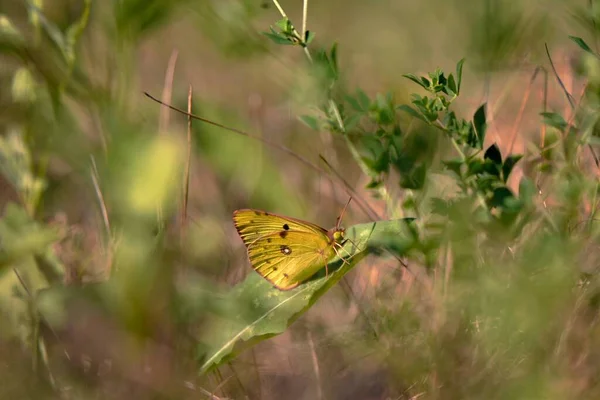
point(252, 224)
point(285, 251)
point(287, 262)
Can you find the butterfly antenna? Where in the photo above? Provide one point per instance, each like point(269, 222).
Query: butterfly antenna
point(339, 220)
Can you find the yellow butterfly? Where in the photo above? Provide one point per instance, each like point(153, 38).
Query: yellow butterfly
point(287, 251)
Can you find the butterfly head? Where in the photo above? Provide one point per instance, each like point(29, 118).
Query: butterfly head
point(338, 235)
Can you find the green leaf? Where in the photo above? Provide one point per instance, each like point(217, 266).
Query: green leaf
point(352, 121)
point(480, 125)
point(493, 154)
point(363, 99)
point(509, 164)
point(451, 87)
point(354, 103)
point(255, 310)
point(278, 38)
point(310, 121)
point(500, 196)
point(459, 69)
point(527, 190)
point(415, 178)
point(308, 37)
point(582, 44)
point(423, 82)
point(333, 59)
point(554, 120)
point(22, 237)
point(409, 110)
point(454, 166)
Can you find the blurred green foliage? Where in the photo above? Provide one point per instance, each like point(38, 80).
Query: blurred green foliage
point(109, 289)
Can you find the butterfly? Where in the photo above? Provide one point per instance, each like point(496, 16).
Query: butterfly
point(287, 251)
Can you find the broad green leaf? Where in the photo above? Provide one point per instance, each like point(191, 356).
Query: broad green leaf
point(254, 310)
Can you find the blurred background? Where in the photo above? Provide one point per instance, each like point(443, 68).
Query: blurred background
point(92, 187)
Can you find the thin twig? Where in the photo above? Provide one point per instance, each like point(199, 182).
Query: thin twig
point(186, 174)
point(560, 82)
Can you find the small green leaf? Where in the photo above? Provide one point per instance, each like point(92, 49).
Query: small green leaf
point(500, 197)
point(409, 110)
point(363, 99)
point(354, 103)
point(310, 121)
point(452, 88)
point(480, 125)
point(527, 190)
point(554, 120)
point(284, 24)
point(459, 69)
point(424, 83)
point(22, 237)
point(454, 166)
point(493, 154)
point(277, 38)
point(509, 164)
point(308, 37)
point(415, 178)
point(352, 121)
point(333, 59)
point(582, 44)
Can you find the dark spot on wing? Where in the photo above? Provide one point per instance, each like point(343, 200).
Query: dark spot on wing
point(269, 240)
point(285, 250)
point(286, 227)
point(286, 275)
point(275, 268)
point(283, 234)
point(256, 212)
